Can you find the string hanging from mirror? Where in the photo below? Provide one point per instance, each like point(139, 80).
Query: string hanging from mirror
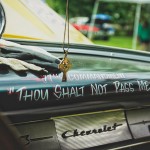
point(66, 26)
point(65, 64)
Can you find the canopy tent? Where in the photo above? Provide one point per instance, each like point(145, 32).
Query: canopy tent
point(137, 15)
point(34, 20)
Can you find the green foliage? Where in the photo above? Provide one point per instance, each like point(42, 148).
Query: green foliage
point(57, 5)
point(122, 13)
point(77, 7)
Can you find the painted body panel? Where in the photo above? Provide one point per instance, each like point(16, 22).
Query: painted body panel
point(105, 89)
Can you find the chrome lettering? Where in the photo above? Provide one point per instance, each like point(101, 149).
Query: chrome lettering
point(76, 132)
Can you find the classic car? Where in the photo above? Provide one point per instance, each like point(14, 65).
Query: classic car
point(101, 103)
point(102, 28)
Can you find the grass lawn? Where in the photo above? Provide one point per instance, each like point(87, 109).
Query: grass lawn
point(116, 41)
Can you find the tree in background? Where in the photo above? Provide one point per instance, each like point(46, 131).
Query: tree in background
point(122, 13)
point(77, 7)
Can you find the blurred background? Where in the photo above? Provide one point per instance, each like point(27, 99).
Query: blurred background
point(109, 23)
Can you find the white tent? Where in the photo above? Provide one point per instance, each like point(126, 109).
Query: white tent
point(34, 20)
point(137, 15)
